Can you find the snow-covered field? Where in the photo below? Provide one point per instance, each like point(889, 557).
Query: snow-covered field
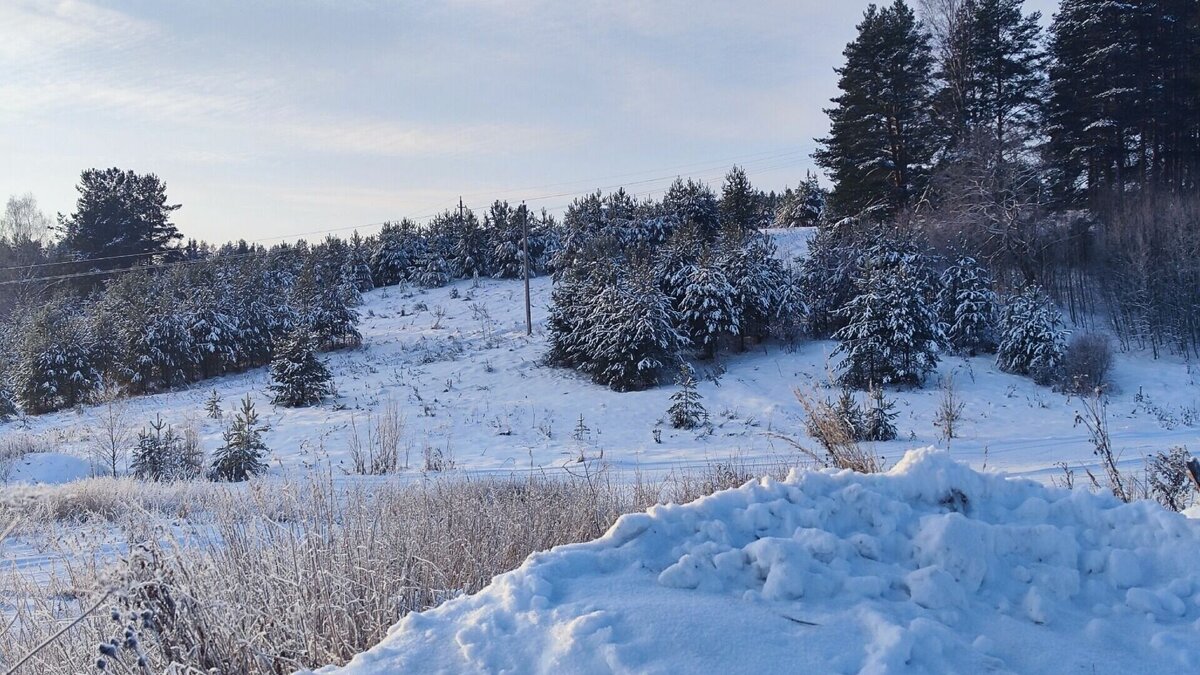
point(931, 568)
point(457, 365)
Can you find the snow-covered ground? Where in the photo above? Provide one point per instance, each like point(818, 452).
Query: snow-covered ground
point(931, 568)
point(456, 363)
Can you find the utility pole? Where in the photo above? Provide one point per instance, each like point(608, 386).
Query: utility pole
point(525, 260)
point(460, 211)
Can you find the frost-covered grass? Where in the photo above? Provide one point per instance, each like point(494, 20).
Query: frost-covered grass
point(277, 575)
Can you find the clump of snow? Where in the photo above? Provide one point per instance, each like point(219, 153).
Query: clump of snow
point(48, 467)
point(931, 567)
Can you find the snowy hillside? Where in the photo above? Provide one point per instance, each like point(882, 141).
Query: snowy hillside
point(456, 365)
point(931, 568)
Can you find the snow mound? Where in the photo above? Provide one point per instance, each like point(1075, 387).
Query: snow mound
point(930, 568)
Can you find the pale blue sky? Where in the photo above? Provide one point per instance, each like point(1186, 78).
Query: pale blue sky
point(276, 117)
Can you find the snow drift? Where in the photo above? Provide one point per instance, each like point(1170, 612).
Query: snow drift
point(931, 567)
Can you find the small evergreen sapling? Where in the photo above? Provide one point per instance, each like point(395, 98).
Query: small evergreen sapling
point(212, 405)
point(849, 414)
point(299, 377)
point(8, 402)
point(686, 411)
point(153, 456)
point(243, 451)
point(879, 421)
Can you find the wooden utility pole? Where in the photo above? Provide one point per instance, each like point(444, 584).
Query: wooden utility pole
point(525, 260)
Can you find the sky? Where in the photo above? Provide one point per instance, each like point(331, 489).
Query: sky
point(273, 119)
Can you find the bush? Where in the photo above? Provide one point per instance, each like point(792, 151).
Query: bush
point(1086, 363)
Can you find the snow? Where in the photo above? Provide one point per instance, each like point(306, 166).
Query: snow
point(930, 568)
point(475, 385)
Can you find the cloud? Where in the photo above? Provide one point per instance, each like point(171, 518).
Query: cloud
point(32, 29)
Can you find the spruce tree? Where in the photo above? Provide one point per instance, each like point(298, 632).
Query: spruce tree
point(849, 414)
point(242, 454)
point(298, 376)
point(1032, 338)
point(881, 141)
point(967, 308)
point(686, 411)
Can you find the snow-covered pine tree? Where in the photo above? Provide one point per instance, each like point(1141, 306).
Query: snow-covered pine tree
point(569, 323)
point(826, 276)
point(323, 307)
point(693, 202)
point(758, 276)
point(686, 411)
point(358, 264)
point(967, 308)
point(212, 405)
point(243, 452)
point(53, 366)
point(709, 311)
point(504, 227)
point(298, 376)
point(739, 208)
point(395, 253)
point(879, 421)
point(631, 332)
point(1032, 337)
point(212, 331)
point(892, 334)
point(153, 456)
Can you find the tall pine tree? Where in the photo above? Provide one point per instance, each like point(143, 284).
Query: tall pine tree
point(881, 141)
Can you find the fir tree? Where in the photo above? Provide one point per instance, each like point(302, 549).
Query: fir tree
point(298, 376)
point(879, 421)
point(686, 411)
point(881, 139)
point(967, 308)
point(212, 405)
point(1032, 338)
point(243, 451)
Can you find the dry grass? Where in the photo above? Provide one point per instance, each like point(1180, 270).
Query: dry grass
point(836, 438)
point(274, 576)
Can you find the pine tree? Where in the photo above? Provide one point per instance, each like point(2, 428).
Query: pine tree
point(826, 278)
point(242, 454)
point(1032, 338)
point(119, 213)
point(892, 334)
point(881, 139)
point(879, 421)
point(967, 308)
point(395, 254)
point(694, 203)
point(686, 411)
point(631, 334)
point(153, 457)
point(709, 311)
point(990, 67)
point(740, 208)
point(748, 260)
point(298, 376)
point(212, 405)
point(54, 366)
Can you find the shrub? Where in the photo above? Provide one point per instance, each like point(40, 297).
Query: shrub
point(1086, 363)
